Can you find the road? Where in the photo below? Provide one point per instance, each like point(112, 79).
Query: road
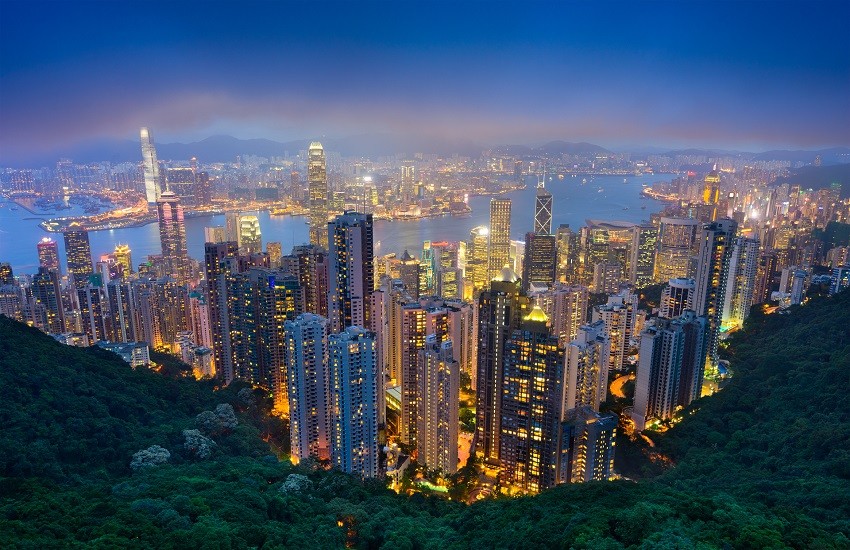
point(617, 385)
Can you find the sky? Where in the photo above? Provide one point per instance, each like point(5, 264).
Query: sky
point(733, 75)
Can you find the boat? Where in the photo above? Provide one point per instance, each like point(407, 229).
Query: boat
point(625, 181)
point(643, 208)
point(600, 190)
point(583, 181)
point(625, 208)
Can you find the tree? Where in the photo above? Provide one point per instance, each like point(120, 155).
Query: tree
point(150, 457)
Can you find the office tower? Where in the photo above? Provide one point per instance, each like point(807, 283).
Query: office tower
point(172, 235)
point(203, 189)
point(356, 385)
point(151, 167)
point(7, 276)
point(605, 241)
point(275, 252)
point(47, 294)
point(671, 367)
point(306, 344)
point(231, 227)
point(566, 308)
point(711, 193)
point(350, 273)
point(500, 310)
point(407, 186)
point(678, 243)
point(438, 406)
point(642, 264)
point(541, 256)
point(516, 256)
point(124, 259)
point(48, 254)
point(569, 262)
point(839, 280)
point(409, 271)
point(317, 179)
point(619, 315)
point(250, 236)
point(119, 319)
point(171, 312)
point(740, 283)
point(532, 405)
point(676, 297)
point(216, 234)
point(477, 258)
point(11, 302)
point(500, 236)
point(607, 277)
point(711, 279)
point(587, 444)
point(542, 211)
point(78, 254)
point(311, 264)
point(181, 182)
point(587, 367)
point(214, 254)
point(93, 310)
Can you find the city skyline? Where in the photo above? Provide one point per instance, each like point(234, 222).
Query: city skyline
point(660, 74)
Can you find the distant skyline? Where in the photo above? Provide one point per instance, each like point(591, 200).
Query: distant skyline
point(747, 76)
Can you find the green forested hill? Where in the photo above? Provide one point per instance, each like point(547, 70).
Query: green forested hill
point(763, 464)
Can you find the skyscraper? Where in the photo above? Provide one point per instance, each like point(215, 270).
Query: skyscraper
point(642, 264)
point(408, 181)
point(676, 297)
point(250, 236)
point(541, 257)
point(275, 252)
point(356, 386)
point(317, 179)
point(172, 235)
point(500, 236)
point(124, 258)
point(215, 234)
point(740, 283)
point(409, 273)
point(476, 258)
point(587, 367)
point(715, 250)
point(351, 274)
point(78, 254)
point(566, 307)
point(309, 386)
point(437, 411)
point(500, 310)
point(214, 254)
point(310, 263)
point(532, 405)
point(619, 315)
point(670, 372)
point(542, 211)
point(677, 245)
point(49, 314)
point(48, 254)
point(151, 167)
point(587, 446)
point(7, 277)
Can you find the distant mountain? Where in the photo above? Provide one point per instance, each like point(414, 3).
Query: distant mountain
point(559, 147)
point(819, 177)
point(835, 155)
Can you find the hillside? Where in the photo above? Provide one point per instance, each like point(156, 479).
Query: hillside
point(819, 177)
point(763, 464)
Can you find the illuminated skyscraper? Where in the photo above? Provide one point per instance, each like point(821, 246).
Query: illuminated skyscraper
point(275, 252)
point(541, 257)
point(48, 312)
point(587, 367)
point(203, 189)
point(48, 254)
point(310, 263)
point(408, 181)
point(716, 242)
point(78, 254)
point(587, 446)
point(532, 405)
point(619, 315)
point(250, 236)
point(677, 246)
point(437, 416)
point(351, 274)
point(151, 167)
point(7, 277)
point(214, 255)
point(123, 257)
point(566, 307)
point(642, 263)
point(740, 283)
point(317, 179)
point(476, 259)
point(172, 235)
point(500, 236)
point(409, 269)
point(356, 386)
point(542, 211)
point(181, 181)
point(676, 297)
point(216, 234)
point(306, 344)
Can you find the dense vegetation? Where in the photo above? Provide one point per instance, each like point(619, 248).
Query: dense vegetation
point(763, 464)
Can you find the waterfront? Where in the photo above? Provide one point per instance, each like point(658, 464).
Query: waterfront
point(602, 197)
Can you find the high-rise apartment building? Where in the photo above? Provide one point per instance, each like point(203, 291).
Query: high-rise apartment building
point(306, 341)
point(620, 317)
point(151, 167)
point(409, 273)
point(740, 283)
point(587, 446)
point(678, 244)
point(311, 264)
point(7, 276)
point(670, 372)
point(356, 386)
point(500, 237)
point(275, 252)
point(214, 255)
point(676, 297)
point(642, 264)
point(566, 307)
point(587, 359)
point(317, 180)
point(438, 406)
point(250, 236)
point(532, 405)
point(172, 235)
point(48, 254)
point(350, 273)
point(78, 254)
point(48, 312)
point(716, 240)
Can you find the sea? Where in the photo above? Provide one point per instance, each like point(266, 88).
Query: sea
point(575, 200)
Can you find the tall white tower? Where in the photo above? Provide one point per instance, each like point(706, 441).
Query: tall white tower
point(151, 167)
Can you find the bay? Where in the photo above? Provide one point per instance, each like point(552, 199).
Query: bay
point(601, 197)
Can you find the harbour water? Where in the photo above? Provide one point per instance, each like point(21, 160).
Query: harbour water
point(601, 197)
